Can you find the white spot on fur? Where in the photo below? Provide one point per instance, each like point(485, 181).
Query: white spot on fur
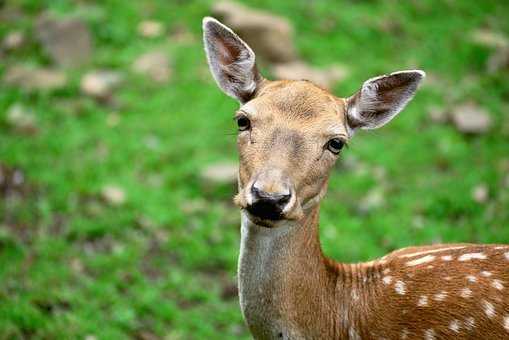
point(472, 256)
point(430, 267)
point(440, 296)
point(429, 334)
point(455, 326)
point(471, 278)
point(466, 293)
point(430, 251)
point(489, 309)
point(423, 301)
point(486, 274)
point(355, 295)
point(506, 322)
point(421, 260)
point(400, 287)
point(447, 258)
point(506, 256)
point(497, 284)
point(386, 271)
point(470, 323)
point(404, 334)
point(387, 280)
point(447, 278)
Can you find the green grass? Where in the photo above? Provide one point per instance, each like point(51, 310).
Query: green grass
point(73, 266)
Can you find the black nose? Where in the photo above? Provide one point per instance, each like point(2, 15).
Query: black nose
point(268, 205)
point(274, 198)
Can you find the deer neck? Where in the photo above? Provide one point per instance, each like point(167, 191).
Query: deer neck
point(280, 270)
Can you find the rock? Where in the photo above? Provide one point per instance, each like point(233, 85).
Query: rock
point(438, 114)
point(325, 78)
point(220, 173)
point(471, 119)
point(150, 29)
point(113, 195)
point(374, 199)
point(488, 38)
point(67, 41)
point(154, 65)
point(21, 119)
point(270, 36)
point(13, 41)
point(181, 34)
point(33, 79)
point(100, 84)
point(498, 61)
point(194, 206)
point(480, 193)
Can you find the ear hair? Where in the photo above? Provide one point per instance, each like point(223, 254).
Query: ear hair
point(231, 61)
point(381, 98)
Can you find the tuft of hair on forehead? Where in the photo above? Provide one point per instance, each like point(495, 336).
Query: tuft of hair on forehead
point(299, 98)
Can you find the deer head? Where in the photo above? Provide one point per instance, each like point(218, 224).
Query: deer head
point(292, 132)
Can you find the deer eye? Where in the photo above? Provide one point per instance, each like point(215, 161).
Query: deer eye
point(243, 123)
point(335, 145)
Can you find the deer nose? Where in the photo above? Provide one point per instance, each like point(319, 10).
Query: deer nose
point(271, 193)
point(278, 199)
point(269, 205)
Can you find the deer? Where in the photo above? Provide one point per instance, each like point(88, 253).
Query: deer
point(290, 134)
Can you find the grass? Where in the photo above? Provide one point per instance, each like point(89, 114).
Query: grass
point(162, 264)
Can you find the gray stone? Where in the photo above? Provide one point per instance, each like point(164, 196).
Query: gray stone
point(480, 193)
point(298, 70)
point(154, 65)
point(498, 61)
point(67, 41)
point(270, 36)
point(220, 173)
point(35, 79)
point(113, 195)
point(13, 41)
point(21, 118)
point(471, 119)
point(150, 29)
point(489, 38)
point(438, 114)
point(100, 84)
point(374, 199)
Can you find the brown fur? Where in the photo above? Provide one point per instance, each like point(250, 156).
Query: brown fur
point(288, 288)
point(329, 300)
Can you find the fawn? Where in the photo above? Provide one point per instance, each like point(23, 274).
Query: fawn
point(290, 135)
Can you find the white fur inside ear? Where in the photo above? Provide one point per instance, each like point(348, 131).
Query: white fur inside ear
point(381, 98)
point(231, 60)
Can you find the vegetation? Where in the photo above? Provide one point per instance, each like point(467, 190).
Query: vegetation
point(161, 263)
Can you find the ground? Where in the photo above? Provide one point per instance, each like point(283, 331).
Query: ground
point(160, 262)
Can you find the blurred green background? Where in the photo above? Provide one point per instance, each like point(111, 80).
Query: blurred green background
point(116, 155)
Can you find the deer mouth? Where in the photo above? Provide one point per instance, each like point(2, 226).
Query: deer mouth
point(265, 210)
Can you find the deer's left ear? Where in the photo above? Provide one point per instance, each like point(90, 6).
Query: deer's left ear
point(380, 99)
point(231, 61)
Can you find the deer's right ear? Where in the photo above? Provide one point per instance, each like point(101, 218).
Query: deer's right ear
point(231, 61)
point(380, 99)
